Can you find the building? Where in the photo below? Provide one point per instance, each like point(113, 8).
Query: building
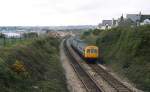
point(139, 18)
point(130, 20)
point(145, 22)
point(107, 24)
point(144, 17)
point(134, 17)
point(12, 35)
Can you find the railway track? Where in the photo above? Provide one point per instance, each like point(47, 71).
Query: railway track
point(117, 85)
point(87, 81)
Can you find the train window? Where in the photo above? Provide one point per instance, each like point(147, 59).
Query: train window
point(93, 51)
point(88, 50)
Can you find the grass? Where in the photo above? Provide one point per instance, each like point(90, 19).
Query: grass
point(127, 51)
point(42, 70)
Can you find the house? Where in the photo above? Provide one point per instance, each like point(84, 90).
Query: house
point(144, 17)
point(145, 22)
point(114, 23)
point(130, 20)
point(106, 24)
point(134, 17)
point(12, 35)
point(139, 18)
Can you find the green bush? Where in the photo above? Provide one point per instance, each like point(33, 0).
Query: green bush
point(42, 70)
point(127, 51)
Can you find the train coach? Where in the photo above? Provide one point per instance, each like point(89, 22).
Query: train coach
point(88, 52)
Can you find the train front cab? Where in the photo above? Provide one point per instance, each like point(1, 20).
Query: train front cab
point(91, 54)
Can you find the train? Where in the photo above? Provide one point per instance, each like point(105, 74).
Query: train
point(88, 52)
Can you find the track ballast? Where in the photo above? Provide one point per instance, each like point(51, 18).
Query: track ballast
point(87, 81)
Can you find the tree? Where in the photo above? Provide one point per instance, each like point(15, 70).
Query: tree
point(30, 35)
point(87, 33)
point(121, 22)
point(3, 36)
point(96, 31)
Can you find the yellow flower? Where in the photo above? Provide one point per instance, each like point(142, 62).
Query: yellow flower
point(18, 67)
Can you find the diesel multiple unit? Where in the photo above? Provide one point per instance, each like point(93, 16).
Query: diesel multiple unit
point(88, 52)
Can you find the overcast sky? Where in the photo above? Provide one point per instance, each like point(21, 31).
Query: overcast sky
point(66, 12)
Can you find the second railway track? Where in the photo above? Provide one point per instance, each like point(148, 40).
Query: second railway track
point(117, 85)
point(87, 80)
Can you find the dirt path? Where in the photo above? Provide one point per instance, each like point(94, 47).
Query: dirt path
point(73, 83)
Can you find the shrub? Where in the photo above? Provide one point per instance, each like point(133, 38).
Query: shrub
point(127, 51)
point(18, 67)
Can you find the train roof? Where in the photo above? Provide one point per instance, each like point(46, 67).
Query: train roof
point(82, 42)
point(91, 46)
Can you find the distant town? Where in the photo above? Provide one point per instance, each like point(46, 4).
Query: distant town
point(55, 31)
point(61, 31)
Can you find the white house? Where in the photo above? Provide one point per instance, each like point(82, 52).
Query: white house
point(145, 22)
point(12, 35)
point(107, 24)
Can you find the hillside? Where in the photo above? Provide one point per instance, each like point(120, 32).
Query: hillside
point(126, 51)
point(32, 66)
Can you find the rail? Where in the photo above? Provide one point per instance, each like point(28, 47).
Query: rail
point(85, 78)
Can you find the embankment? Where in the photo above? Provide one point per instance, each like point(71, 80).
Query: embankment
point(32, 66)
point(126, 51)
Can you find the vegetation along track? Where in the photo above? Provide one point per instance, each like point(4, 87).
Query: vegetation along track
point(87, 81)
point(117, 85)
